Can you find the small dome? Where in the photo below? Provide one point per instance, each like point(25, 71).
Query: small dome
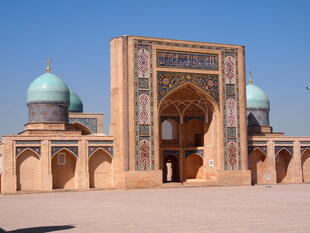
point(256, 97)
point(48, 88)
point(76, 104)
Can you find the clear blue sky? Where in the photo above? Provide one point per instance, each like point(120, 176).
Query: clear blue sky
point(75, 35)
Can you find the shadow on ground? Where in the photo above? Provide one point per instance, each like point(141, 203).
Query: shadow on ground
point(39, 229)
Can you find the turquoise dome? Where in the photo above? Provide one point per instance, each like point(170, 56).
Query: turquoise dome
point(76, 104)
point(256, 97)
point(48, 88)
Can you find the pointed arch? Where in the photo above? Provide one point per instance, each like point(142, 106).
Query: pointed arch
point(63, 164)
point(98, 149)
point(83, 128)
point(257, 165)
point(28, 171)
point(100, 169)
point(305, 165)
point(26, 149)
point(193, 166)
point(284, 166)
point(200, 91)
point(64, 149)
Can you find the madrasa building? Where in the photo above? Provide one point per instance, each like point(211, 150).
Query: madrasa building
point(181, 113)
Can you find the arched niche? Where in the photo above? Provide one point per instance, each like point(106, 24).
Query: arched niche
point(194, 167)
point(63, 169)
point(28, 172)
point(284, 166)
point(257, 165)
point(100, 169)
point(171, 168)
point(305, 165)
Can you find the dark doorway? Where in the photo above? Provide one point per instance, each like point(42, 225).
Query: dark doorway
point(171, 169)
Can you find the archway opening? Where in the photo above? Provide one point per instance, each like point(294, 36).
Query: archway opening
point(63, 170)
point(186, 123)
point(256, 165)
point(171, 169)
point(100, 170)
point(28, 175)
point(305, 166)
point(193, 167)
point(283, 162)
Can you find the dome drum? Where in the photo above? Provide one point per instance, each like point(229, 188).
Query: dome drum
point(258, 117)
point(41, 112)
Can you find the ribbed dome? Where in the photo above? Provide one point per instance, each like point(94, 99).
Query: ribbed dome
point(256, 97)
point(76, 104)
point(48, 88)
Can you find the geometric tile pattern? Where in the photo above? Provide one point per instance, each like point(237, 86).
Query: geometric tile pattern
point(303, 149)
point(168, 81)
point(232, 160)
point(187, 60)
point(169, 152)
point(231, 112)
point(144, 109)
point(144, 156)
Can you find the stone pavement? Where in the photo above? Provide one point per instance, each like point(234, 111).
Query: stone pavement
point(281, 208)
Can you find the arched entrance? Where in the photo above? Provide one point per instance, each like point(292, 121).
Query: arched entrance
point(193, 167)
point(100, 169)
point(283, 166)
point(186, 124)
point(305, 166)
point(171, 169)
point(256, 165)
point(63, 170)
point(28, 174)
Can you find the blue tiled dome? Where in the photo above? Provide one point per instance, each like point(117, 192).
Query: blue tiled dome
point(256, 97)
point(48, 88)
point(76, 104)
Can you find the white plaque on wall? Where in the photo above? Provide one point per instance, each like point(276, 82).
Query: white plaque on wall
point(211, 163)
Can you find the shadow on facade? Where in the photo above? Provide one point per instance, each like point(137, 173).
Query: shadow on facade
point(39, 229)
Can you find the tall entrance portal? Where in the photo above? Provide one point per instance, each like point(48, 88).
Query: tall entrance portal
point(178, 112)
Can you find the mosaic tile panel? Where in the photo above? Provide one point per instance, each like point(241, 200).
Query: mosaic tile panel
point(73, 149)
point(231, 112)
point(198, 152)
point(303, 149)
point(100, 142)
point(168, 81)
point(92, 149)
point(288, 148)
point(64, 142)
point(144, 109)
point(186, 60)
point(90, 123)
point(169, 152)
point(187, 119)
point(21, 142)
point(20, 149)
point(230, 69)
point(232, 155)
point(144, 158)
point(252, 148)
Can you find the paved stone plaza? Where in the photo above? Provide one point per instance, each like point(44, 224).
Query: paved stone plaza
point(278, 208)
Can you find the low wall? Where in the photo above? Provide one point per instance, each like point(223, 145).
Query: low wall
point(143, 179)
point(242, 177)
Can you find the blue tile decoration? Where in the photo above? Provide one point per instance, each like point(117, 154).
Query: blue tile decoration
point(283, 142)
point(187, 119)
point(100, 142)
point(73, 149)
point(90, 123)
point(92, 149)
point(20, 149)
point(175, 118)
point(198, 152)
point(186, 60)
point(288, 148)
point(252, 148)
point(303, 149)
point(168, 81)
point(64, 142)
point(169, 152)
point(23, 142)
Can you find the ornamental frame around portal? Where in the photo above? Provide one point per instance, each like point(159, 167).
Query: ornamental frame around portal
point(145, 85)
